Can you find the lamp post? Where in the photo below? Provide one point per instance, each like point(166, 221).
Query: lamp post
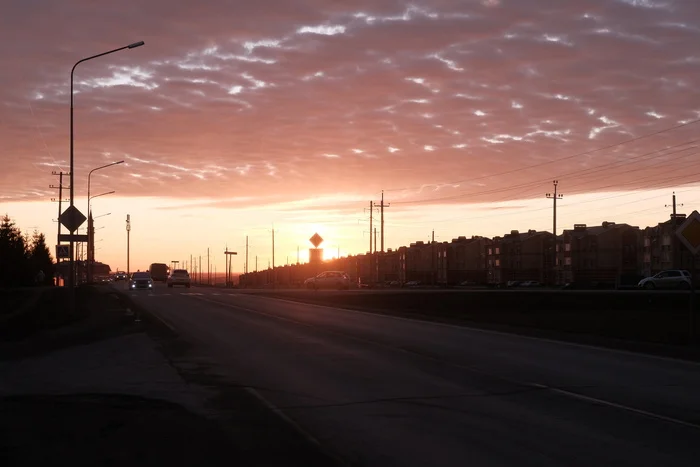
point(91, 234)
point(90, 175)
point(71, 276)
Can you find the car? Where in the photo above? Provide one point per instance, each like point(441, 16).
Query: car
point(328, 280)
point(179, 277)
point(141, 280)
point(668, 279)
point(120, 276)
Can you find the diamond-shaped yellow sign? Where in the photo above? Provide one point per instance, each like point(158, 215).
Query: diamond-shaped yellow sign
point(689, 232)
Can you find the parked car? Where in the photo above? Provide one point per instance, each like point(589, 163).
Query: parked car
point(328, 280)
point(141, 280)
point(669, 279)
point(530, 284)
point(179, 277)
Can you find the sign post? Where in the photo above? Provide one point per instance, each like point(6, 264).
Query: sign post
point(689, 234)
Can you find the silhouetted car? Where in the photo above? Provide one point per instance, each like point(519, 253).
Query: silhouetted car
point(141, 280)
point(179, 277)
point(328, 280)
point(670, 279)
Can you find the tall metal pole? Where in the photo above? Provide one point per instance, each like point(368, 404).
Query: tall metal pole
point(273, 258)
point(128, 246)
point(246, 254)
point(554, 197)
point(208, 269)
point(72, 171)
point(382, 224)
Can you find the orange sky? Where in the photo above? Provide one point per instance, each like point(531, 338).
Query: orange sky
point(238, 115)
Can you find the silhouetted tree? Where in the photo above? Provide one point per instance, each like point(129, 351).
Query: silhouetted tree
point(40, 260)
point(14, 257)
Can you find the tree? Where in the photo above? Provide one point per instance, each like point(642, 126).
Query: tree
point(40, 260)
point(14, 258)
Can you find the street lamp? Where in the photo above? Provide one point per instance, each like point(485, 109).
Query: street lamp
point(72, 171)
point(97, 196)
point(91, 234)
point(94, 170)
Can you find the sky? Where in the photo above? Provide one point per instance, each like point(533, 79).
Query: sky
point(238, 117)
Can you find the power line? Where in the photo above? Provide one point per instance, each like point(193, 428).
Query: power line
point(544, 180)
point(572, 156)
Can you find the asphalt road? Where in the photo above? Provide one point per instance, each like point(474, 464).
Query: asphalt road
point(380, 390)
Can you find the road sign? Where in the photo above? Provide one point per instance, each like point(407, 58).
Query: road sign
point(689, 232)
point(72, 218)
point(62, 251)
point(316, 240)
point(74, 237)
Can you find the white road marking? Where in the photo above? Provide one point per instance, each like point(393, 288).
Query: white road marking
point(475, 370)
point(162, 320)
point(295, 426)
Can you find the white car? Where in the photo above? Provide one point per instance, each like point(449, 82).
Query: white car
point(670, 279)
point(179, 277)
point(328, 280)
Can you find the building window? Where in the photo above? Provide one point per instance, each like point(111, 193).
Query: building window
point(498, 251)
point(567, 247)
point(498, 263)
point(567, 261)
point(490, 251)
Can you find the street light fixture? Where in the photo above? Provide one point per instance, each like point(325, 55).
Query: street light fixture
point(91, 234)
point(71, 275)
point(94, 170)
point(97, 196)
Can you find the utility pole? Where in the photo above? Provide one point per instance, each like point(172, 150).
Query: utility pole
point(208, 269)
point(191, 263)
point(199, 269)
point(432, 256)
point(371, 210)
point(381, 210)
point(554, 197)
point(256, 263)
point(273, 257)
point(297, 254)
point(128, 252)
point(673, 205)
point(246, 254)
point(60, 201)
point(376, 262)
point(674, 241)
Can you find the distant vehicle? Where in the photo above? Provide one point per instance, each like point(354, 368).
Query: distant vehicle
point(179, 277)
point(530, 284)
point(669, 279)
point(328, 280)
point(412, 284)
point(141, 280)
point(159, 272)
point(120, 276)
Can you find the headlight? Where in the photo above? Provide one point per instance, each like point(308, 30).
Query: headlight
point(150, 285)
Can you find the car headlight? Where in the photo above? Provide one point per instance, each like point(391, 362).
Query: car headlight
point(150, 285)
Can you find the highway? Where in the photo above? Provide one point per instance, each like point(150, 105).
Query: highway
point(386, 391)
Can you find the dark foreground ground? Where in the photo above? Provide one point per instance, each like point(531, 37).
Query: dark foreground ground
point(101, 429)
point(97, 387)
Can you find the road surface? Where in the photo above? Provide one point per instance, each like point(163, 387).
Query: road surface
point(386, 391)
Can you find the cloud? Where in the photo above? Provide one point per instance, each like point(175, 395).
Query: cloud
point(237, 100)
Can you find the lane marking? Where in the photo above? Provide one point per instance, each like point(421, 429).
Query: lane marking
point(554, 390)
point(488, 331)
point(645, 413)
point(294, 425)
